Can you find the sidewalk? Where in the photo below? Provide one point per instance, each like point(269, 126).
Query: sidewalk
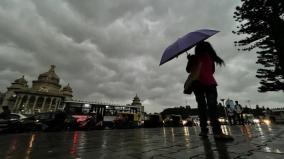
point(256, 142)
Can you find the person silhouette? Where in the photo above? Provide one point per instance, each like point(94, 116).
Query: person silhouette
point(6, 112)
point(204, 87)
point(230, 108)
point(239, 113)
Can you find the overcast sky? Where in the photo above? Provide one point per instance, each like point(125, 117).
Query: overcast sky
point(109, 50)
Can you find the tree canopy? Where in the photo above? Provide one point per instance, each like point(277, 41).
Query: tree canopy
point(262, 21)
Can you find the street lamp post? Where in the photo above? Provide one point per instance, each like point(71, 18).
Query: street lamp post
point(249, 103)
point(251, 111)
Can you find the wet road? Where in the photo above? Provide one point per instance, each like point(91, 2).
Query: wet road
point(258, 141)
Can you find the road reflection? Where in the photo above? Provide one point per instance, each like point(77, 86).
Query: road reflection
point(221, 151)
point(30, 146)
point(246, 131)
point(73, 149)
point(13, 145)
point(173, 134)
point(78, 145)
point(137, 142)
point(226, 129)
point(186, 136)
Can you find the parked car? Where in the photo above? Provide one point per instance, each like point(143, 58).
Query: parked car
point(223, 121)
point(88, 122)
point(153, 121)
point(188, 122)
point(275, 116)
point(173, 121)
point(50, 121)
point(11, 122)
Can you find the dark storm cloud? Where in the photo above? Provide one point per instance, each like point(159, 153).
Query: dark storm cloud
point(109, 51)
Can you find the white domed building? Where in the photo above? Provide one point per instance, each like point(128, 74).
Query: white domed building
point(45, 95)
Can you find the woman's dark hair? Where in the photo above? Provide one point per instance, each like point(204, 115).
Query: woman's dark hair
point(205, 47)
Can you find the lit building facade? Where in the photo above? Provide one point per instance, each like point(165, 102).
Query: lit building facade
point(47, 95)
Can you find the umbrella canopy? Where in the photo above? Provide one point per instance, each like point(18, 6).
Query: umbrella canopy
point(185, 43)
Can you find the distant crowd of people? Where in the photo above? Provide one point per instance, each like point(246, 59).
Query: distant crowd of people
point(234, 112)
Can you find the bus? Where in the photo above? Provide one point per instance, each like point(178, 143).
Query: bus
point(109, 116)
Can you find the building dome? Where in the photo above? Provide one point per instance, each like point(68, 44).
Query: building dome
point(67, 88)
point(21, 80)
point(20, 83)
point(47, 82)
point(136, 101)
point(50, 76)
point(67, 92)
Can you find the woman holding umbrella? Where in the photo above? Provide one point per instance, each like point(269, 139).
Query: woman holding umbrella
point(204, 86)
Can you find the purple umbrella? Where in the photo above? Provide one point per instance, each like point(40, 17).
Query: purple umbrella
point(185, 43)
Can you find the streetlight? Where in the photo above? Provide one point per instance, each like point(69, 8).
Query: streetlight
point(249, 105)
point(250, 108)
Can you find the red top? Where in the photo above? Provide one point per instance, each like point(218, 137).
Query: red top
point(207, 69)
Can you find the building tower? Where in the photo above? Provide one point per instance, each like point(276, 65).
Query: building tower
point(136, 101)
point(47, 82)
point(18, 84)
point(67, 92)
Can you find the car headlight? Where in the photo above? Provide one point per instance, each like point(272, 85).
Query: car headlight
point(256, 120)
point(266, 121)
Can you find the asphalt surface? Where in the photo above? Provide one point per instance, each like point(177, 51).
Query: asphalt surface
point(254, 141)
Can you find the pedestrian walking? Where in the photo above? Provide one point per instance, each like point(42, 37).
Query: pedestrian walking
point(239, 113)
point(201, 67)
point(230, 108)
